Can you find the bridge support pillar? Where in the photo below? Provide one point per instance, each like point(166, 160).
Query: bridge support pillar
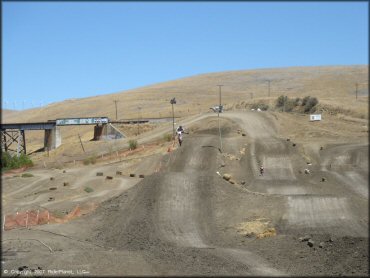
point(107, 132)
point(98, 132)
point(52, 138)
point(8, 137)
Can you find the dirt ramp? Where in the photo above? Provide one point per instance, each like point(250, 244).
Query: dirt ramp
point(178, 210)
point(323, 214)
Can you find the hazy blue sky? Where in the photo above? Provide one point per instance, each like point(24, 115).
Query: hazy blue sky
point(58, 50)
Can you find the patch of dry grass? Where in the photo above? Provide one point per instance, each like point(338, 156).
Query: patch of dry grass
point(260, 228)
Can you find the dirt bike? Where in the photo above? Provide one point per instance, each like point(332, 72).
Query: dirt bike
point(261, 171)
point(179, 137)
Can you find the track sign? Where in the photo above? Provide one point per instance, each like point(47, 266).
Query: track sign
point(315, 117)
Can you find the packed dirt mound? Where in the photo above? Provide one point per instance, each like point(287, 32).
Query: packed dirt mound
point(209, 126)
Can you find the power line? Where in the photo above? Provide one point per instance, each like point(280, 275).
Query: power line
point(138, 118)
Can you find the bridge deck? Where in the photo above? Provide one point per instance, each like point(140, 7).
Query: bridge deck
point(29, 126)
point(52, 123)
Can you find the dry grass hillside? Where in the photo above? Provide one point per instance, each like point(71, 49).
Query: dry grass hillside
point(334, 86)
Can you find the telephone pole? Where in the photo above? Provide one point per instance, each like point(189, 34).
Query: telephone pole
point(269, 87)
point(356, 90)
point(173, 101)
point(138, 118)
point(115, 102)
point(218, 115)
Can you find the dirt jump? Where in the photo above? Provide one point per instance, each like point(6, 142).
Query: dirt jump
point(208, 211)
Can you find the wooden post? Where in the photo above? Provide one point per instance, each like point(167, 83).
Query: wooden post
point(81, 142)
point(37, 217)
point(27, 220)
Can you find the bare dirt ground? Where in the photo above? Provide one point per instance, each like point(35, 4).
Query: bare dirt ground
point(183, 218)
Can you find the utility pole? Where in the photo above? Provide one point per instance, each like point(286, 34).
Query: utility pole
point(218, 115)
point(269, 87)
point(356, 90)
point(115, 102)
point(138, 115)
point(173, 101)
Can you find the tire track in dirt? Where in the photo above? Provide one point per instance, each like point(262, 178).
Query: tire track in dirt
point(40, 178)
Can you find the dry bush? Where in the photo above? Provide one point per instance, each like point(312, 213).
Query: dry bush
point(132, 144)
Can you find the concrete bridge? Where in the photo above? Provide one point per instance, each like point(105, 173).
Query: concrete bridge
point(13, 137)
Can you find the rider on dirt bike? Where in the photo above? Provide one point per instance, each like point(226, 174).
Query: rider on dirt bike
point(261, 170)
point(179, 132)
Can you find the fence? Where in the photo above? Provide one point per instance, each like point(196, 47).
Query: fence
point(41, 217)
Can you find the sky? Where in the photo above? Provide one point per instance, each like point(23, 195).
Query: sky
point(54, 51)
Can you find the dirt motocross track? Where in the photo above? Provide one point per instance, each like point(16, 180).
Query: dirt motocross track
point(187, 220)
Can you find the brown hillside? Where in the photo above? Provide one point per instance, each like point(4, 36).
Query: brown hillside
point(334, 86)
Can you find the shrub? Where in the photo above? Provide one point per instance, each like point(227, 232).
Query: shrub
point(310, 104)
point(88, 189)
point(286, 104)
point(304, 100)
point(280, 101)
point(90, 160)
point(167, 137)
point(290, 104)
point(132, 144)
point(13, 162)
point(261, 106)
